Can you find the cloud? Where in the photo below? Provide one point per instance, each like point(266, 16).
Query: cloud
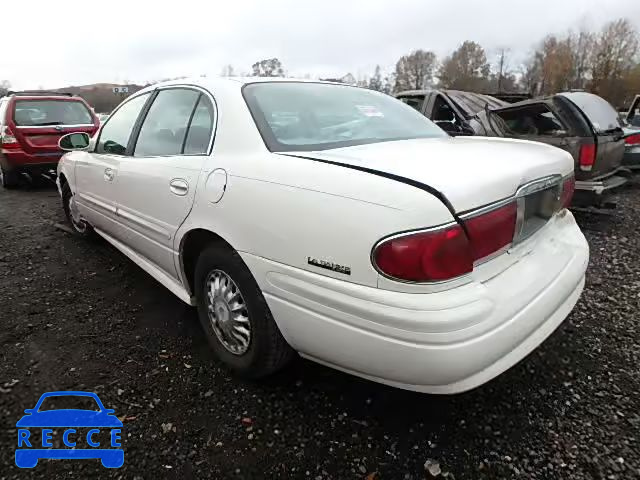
point(90, 41)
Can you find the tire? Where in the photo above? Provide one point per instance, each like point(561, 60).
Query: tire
point(80, 227)
point(267, 350)
point(9, 179)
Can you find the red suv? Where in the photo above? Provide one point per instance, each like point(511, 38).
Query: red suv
point(31, 124)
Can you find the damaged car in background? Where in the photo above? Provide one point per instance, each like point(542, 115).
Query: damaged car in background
point(319, 218)
point(583, 124)
point(631, 129)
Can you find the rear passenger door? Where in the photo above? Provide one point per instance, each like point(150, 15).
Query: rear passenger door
point(157, 184)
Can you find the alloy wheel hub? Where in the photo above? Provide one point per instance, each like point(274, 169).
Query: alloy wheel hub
point(228, 313)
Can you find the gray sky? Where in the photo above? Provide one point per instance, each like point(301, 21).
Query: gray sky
point(54, 44)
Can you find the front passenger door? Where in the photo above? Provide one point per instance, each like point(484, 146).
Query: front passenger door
point(156, 185)
point(96, 173)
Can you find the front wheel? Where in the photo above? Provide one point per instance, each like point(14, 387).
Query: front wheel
point(235, 316)
point(78, 224)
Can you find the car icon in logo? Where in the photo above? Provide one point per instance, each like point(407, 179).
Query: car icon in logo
point(29, 452)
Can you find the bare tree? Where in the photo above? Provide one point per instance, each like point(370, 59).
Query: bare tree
point(375, 82)
point(5, 85)
point(550, 67)
point(415, 71)
point(388, 83)
point(466, 68)
point(614, 57)
point(227, 71)
point(531, 75)
point(581, 46)
point(270, 67)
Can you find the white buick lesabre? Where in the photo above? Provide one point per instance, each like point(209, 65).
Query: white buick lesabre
point(336, 222)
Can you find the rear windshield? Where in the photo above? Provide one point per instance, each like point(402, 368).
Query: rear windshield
point(600, 113)
point(315, 116)
point(38, 113)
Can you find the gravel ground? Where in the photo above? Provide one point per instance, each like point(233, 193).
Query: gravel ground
point(79, 316)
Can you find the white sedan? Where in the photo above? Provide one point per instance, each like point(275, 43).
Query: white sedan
point(336, 222)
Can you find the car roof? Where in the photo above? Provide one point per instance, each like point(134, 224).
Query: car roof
point(213, 82)
point(65, 98)
point(414, 92)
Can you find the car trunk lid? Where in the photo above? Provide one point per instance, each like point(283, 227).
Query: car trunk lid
point(470, 172)
point(607, 131)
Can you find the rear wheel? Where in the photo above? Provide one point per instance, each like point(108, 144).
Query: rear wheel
point(78, 224)
point(9, 178)
point(235, 315)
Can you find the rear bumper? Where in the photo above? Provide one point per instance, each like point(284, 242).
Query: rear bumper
point(20, 160)
point(445, 342)
point(631, 158)
point(599, 187)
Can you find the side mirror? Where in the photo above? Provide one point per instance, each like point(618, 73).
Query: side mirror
point(29, 410)
point(74, 141)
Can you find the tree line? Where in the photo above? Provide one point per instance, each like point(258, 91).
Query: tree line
point(605, 62)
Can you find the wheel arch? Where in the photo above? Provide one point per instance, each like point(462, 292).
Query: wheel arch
point(66, 172)
point(63, 179)
point(191, 245)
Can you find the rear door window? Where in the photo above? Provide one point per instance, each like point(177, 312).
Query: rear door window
point(164, 129)
point(199, 134)
point(41, 113)
point(532, 120)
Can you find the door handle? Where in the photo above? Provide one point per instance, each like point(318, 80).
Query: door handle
point(109, 173)
point(179, 187)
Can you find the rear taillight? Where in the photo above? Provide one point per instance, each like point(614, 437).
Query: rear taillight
point(439, 255)
point(492, 231)
point(430, 256)
point(587, 157)
point(568, 189)
point(632, 140)
point(7, 139)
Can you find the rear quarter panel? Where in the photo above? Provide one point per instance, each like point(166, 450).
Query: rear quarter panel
point(288, 209)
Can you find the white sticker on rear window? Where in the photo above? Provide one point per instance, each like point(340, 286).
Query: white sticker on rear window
point(369, 111)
